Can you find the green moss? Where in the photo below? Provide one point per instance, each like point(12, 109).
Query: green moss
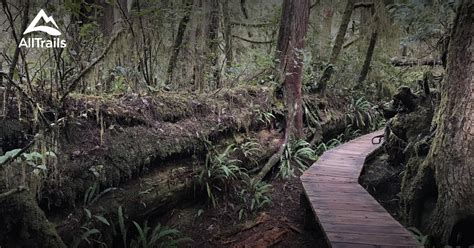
point(24, 223)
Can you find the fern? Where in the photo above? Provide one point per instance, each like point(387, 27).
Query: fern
point(299, 152)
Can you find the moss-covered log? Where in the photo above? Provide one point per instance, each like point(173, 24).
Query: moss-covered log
point(129, 142)
point(23, 223)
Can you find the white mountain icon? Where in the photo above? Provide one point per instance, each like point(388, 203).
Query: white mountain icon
point(49, 30)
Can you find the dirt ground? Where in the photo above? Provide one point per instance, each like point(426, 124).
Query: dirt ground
point(279, 225)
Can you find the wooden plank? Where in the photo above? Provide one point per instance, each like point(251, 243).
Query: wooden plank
point(349, 215)
point(333, 187)
point(324, 168)
point(322, 178)
point(362, 228)
point(347, 206)
point(352, 245)
point(369, 239)
point(352, 213)
point(378, 221)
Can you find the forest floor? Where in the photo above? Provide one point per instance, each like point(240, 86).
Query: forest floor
point(279, 225)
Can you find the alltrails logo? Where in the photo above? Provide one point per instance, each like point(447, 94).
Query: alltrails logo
point(55, 42)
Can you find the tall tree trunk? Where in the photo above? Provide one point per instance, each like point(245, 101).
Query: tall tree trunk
point(368, 58)
point(198, 49)
point(293, 27)
point(365, 16)
point(213, 41)
point(316, 41)
point(227, 33)
point(179, 40)
point(370, 48)
point(448, 168)
point(326, 27)
point(336, 49)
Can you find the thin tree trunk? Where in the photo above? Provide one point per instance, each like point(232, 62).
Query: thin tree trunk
point(316, 40)
point(17, 37)
point(448, 168)
point(227, 33)
point(179, 40)
point(327, 73)
point(371, 47)
point(213, 41)
point(368, 58)
point(326, 28)
point(198, 49)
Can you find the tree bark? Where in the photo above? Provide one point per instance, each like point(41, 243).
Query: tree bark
point(227, 33)
point(213, 41)
point(447, 170)
point(415, 62)
point(198, 49)
point(293, 27)
point(179, 40)
point(370, 50)
point(336, 49)
point(24, 224)
point(326, 28)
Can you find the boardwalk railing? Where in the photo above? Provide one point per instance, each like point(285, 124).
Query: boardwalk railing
point(348, 215)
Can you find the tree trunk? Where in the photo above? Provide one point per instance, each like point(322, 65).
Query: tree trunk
point(293, 27)
point(326, 28)
point(365, 15)
point(370, 49)
point(341, 33)
point(23, 223)
point(227, 33)
point(315, 38)
point(213, 41)
point(179, 40)
point(198, 50)
point(368, 58)
point(447, 170)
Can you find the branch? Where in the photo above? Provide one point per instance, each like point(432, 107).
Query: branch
point(9, 159)
point(414, 62)
point(350, 42)
point(12, 191)
point(251, 25)
point(363, 5)
point(271, 162)
point(32, 102)
point(314, 4)
point(252, 41)
point(86, 70)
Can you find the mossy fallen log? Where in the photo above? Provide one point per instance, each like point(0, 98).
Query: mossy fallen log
point(128, 141)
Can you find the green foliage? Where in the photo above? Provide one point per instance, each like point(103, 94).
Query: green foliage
point(265, 117)
point(254, 195)
point(121, 222)
point(93, 194)
point(159, 236)
point(421, 19)
point(299, 152)
point(420, 237)
point(218, 173)
point(89, 234)
point(362, 115)
point(251, 149)
point(33, 159)
point(86, 235)
point(321, 148)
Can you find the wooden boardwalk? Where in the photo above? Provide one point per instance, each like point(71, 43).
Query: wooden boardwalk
point(348, 215)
